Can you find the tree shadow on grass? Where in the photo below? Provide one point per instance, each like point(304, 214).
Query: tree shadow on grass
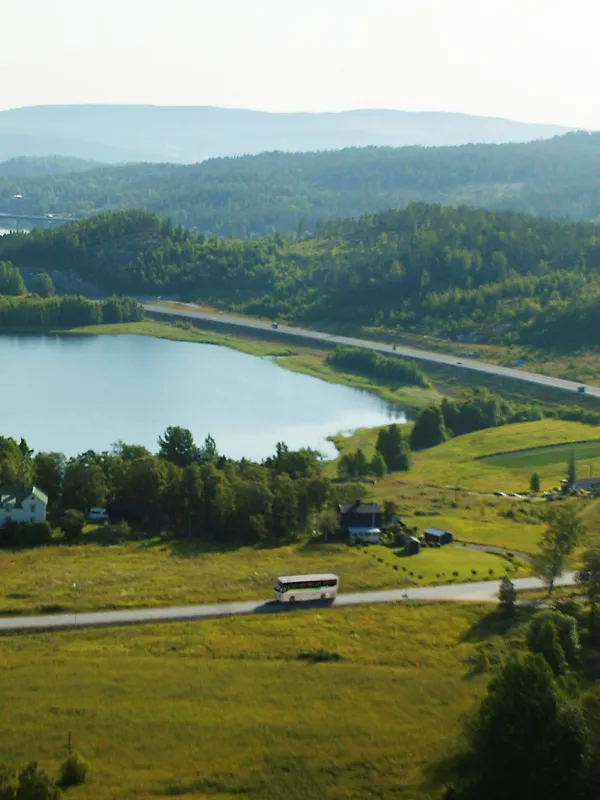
point(498, 623)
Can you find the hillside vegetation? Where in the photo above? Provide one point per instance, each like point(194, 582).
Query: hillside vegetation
point(291, 192)
point(32, 166)
point(454, 270)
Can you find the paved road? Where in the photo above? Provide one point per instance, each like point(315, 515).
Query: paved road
point(485, 591)
point(410, 352)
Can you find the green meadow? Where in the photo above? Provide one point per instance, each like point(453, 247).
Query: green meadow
point(350, 703)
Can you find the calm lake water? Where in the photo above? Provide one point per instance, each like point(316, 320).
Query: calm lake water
point(73, 394)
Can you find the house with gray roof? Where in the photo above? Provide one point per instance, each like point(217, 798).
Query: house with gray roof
point(22, 505)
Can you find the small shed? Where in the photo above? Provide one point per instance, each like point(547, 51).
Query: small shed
point(364, 535)
point(412, 546)
point(438, 536)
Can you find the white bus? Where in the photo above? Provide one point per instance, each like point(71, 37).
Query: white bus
point(290, 588)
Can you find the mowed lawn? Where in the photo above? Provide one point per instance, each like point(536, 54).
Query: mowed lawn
point(230, 708)
point(587, 455)
point(156, 574)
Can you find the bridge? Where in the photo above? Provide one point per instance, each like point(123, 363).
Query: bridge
point(32, 220)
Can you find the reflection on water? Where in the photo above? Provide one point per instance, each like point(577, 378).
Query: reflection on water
point(77, 393)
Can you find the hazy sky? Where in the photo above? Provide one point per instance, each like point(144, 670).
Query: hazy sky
point(533, 60)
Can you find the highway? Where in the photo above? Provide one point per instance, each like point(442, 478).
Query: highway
point(401, 350)
point(483, 592)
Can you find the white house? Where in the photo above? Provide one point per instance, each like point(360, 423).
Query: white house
point(22, 505)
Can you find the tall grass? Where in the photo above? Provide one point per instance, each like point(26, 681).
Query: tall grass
point(227, 708)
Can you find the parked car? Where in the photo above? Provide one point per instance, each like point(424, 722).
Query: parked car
point(514, 494)
point(500, 494)
point(581, 389)
point(274, 325)
point(98, 514)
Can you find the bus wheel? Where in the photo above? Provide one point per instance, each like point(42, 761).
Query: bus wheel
point(292, 599)
point(323, 596)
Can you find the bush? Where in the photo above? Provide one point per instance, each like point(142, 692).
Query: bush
point(490, 572)
point(35, 784)
point(116, 533)
point(74, 771)
point(455, 574)
point(319, 656)
point(473, 572)
point(569, 607)
point(71, 524)
point(30, 534)
point(395, 566)
point(540, 638)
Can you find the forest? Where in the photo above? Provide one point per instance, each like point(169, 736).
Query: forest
point(292, 192)
point(184, 488)
point(497, 276)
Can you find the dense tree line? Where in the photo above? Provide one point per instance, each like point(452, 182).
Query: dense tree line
point(184, 489)
point(371, 364)
point(66, 312)
point(499, 275)
point(36, 166)
point(291, 192)
point(476, 410)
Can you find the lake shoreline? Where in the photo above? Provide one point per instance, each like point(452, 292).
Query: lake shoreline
point(301, 359)
point(134, 391)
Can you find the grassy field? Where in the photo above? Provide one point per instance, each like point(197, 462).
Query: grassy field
point(465, 461)
point(237, 707)
point(154, 574)
point(450, 486)
point(557, 455)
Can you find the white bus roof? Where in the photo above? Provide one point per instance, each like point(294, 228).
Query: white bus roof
point(290, 578)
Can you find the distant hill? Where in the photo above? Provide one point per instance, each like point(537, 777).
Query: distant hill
point(296, 192)
point(36, 166)
point(188, 134)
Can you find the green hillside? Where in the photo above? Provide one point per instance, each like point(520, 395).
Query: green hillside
point(498, 275)
point(256, 195)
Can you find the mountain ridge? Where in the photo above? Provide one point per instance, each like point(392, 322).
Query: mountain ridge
point(189, 134)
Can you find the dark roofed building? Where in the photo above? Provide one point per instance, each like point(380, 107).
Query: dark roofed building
point(439, 536)
point(581, 485)
point(360, 515)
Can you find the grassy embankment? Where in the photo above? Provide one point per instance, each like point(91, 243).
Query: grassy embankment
point(582, 365)
point(152, 573)
point(231, 708)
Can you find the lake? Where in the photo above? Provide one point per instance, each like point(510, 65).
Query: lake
point(76, 393)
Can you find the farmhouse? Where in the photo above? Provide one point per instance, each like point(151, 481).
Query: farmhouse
point(581, 484)
point(361, 521)
point(22, 505)
point(438, 536)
